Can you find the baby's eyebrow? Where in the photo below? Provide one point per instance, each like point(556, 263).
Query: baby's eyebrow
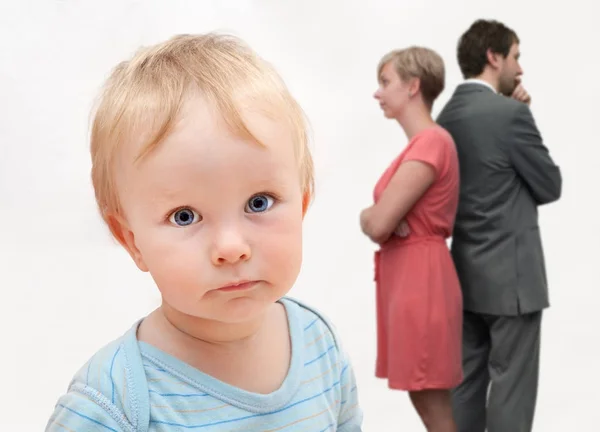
point(165, 196)
point(270, 180)
point(168, 193)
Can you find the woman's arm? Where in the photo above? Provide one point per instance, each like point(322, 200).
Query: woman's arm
point(410, 181)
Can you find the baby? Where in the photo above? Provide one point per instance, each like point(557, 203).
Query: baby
point(202, 172)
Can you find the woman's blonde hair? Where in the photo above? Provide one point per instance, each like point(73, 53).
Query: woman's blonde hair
point(143, 97)
point(418, 62)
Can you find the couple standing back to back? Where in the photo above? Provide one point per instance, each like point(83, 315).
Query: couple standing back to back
point(450, 323)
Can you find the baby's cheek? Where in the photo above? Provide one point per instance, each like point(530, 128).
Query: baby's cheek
point(176, 269)
point(283, 251)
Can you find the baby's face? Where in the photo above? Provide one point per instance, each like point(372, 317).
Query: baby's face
point(207, 211)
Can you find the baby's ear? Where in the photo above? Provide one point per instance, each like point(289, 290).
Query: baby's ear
point(305, 202)
point(121, 231)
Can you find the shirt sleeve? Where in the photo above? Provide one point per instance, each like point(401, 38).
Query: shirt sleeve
point(350, 416)
point(76, 411)
point(429, 148)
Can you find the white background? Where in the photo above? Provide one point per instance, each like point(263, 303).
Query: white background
point(68, 288)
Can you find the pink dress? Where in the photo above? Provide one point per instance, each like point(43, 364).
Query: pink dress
point(419, 301)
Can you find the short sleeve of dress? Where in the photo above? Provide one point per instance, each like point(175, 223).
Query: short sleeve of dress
point(430, 147)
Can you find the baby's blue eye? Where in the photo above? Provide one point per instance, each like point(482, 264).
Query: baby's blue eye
point(184, 217)
point(259, 203)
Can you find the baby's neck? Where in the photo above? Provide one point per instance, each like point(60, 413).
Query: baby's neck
point(233, 354)
point(193, 330)
point(166, 326)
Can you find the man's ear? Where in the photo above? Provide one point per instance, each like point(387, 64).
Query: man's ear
point(121, 231)
point(305, 202)
point(493, 58)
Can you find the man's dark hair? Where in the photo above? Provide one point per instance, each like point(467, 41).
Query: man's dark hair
point(474, 43)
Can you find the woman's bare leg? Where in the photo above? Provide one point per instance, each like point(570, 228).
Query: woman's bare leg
point(435, 409)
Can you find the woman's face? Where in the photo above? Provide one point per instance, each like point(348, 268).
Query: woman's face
point(393, 94)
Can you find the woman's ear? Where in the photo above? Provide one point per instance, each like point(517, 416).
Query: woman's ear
point(414, 86)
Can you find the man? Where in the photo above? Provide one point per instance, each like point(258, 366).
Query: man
point(506, 172)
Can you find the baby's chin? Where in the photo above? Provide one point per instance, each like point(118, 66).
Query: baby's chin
point(229, 307)
point(239, 310)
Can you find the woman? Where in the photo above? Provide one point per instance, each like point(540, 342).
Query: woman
point(419, 302)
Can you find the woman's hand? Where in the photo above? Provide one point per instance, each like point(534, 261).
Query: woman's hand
point(403, 230)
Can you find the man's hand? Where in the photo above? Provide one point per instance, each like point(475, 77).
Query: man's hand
point(521, 94)
point(403, 229)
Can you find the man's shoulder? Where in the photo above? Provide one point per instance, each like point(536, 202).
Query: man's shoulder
point(508, 104)
point(484, 101)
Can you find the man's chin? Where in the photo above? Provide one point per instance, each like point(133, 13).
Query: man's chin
point(507, 91)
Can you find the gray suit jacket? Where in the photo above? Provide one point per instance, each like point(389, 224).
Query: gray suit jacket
point(506, 172)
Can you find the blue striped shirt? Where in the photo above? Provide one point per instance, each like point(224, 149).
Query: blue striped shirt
point(132, 386)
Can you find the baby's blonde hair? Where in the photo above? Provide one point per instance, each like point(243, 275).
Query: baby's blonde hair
point(143, 97)
point(418, 62)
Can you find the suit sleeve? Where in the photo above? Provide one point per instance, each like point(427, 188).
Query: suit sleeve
point(531, 159)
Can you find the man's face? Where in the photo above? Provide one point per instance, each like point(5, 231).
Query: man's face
point(510, 71)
